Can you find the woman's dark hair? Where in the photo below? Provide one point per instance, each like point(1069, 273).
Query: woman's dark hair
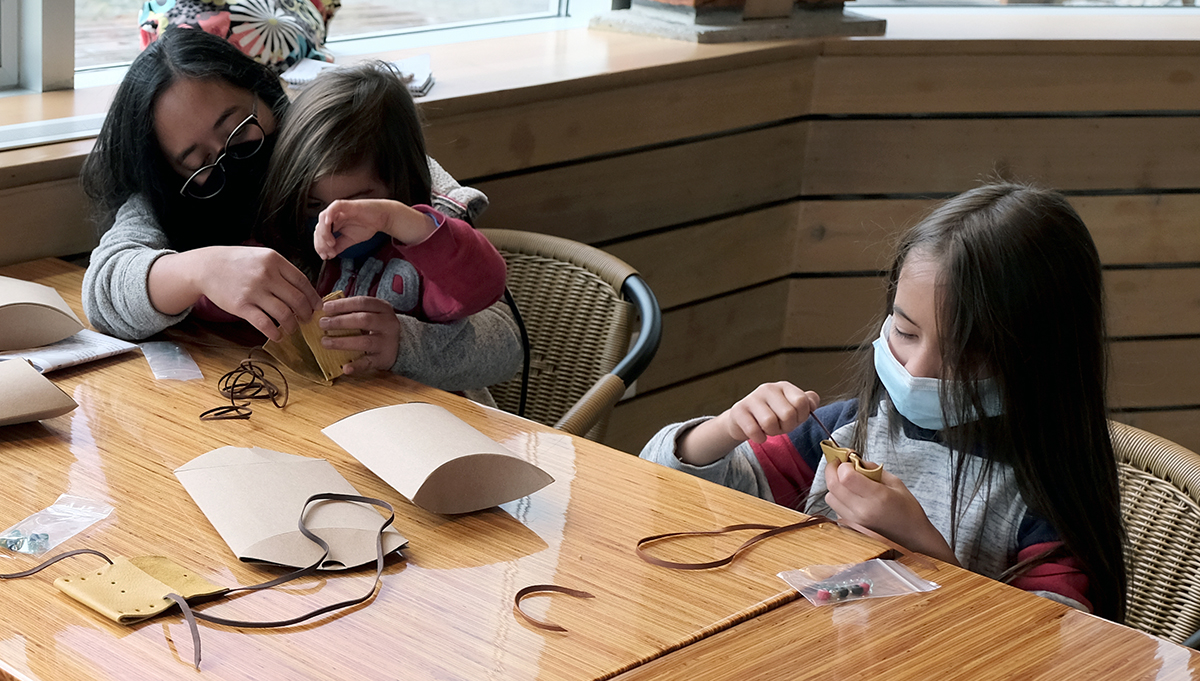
point(127, 159)
point(345, 118)
point(1020, 300)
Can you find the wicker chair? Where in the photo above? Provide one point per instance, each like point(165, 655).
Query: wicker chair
point(1160, 502)
point(578, 306)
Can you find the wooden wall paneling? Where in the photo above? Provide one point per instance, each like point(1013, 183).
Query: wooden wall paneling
point(986, 83)
point(691, 263)
point(860, 234)
point(517, 137)
point(1181, 427)
point(616, 197)
point(714, 334)
point(833, 311)
point(914, 156)
point(1153, 302)
point(1158, 373)
point(1148, 228)
point(636, 420)
point(852, 235)
point(46, 219)
point(838, 311)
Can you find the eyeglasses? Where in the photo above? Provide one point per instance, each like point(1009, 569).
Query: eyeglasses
point(240, 145)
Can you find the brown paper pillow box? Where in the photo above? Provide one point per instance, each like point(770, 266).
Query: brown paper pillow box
point(437, 461)
point(26, 395)
point(32, 315)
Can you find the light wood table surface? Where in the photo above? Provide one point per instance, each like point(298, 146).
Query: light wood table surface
point(971, 628)
point(445, 612)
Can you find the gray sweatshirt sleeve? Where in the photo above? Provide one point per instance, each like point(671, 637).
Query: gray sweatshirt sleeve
point(481, 350)
point(453, 199)
point(737, 470)
point(116, 292)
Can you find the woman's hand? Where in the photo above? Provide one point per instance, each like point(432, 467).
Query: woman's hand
point(380, 338)
point(772, 409)
point(254, 283)
point(885, 507)
point(345, 223)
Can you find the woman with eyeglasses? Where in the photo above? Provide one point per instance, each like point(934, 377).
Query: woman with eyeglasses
point(176, 176)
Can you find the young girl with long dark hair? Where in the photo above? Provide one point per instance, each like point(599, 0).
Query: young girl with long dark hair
point(350, 201)
point(983, 400)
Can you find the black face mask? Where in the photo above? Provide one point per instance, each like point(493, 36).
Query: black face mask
point(226, 219)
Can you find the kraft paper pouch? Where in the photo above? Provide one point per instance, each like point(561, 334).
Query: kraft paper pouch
point(253, 498)
point(32, 315)
point(26, 395)
point(133, 589)
point(435, 459)
point(835, 455)
point(302, 352)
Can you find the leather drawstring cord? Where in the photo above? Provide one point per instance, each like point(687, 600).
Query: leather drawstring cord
point(544, 588)
point(245, 383)
point(190, 615)
point(52, 561)
point(768, 532)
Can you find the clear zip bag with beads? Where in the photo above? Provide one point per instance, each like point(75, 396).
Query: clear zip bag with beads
point(877, 578)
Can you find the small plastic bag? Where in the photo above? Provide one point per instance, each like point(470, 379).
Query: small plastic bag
point(170, 361)
point(51, 526)
point(876, 578)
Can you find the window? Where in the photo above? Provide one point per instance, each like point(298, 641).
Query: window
point(374, 17)
point(9, 43)
point(107, 32)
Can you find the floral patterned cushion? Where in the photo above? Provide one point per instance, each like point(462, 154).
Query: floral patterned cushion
point(276, 33)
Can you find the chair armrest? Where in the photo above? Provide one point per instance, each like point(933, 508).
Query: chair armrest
point(593, 406)
point(637, 291)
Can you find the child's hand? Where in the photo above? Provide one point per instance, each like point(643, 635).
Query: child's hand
point(885, 507)
point(772, 409)
point(345, 223)
point(381, 331)
point(256, 284)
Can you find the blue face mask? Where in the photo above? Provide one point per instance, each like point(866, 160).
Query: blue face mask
point(359, 249)
point(918, 399)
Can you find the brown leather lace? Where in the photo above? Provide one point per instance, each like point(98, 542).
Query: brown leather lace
point(245, 383)
point(768, 532)
point(544, 588)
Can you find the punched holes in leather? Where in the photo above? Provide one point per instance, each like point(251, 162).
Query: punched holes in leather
point(133, 589)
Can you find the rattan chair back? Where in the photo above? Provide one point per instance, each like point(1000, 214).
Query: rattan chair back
point(569, 296)
point(1160, 503)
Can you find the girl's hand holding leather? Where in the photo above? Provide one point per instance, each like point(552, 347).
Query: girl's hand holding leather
point(380, 328)
point(885, 507)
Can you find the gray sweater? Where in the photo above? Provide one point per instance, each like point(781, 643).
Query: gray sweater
point(995, 526)
point(475, 352)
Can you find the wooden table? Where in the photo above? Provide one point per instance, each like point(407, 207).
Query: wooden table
point(444, 612)
point(971, 628)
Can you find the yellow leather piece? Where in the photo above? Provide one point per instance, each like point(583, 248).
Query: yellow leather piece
point(835, 455)
point(131, 590)
point(302, 352)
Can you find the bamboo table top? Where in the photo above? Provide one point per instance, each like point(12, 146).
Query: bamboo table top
point(970, 628)
point(443, 612)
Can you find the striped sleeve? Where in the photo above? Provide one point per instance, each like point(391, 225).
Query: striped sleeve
point(1061, 578)
point(789, 461)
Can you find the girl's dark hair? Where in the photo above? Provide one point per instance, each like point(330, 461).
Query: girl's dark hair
point(346, 117)
point(1020, 300)
point(127, 159)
